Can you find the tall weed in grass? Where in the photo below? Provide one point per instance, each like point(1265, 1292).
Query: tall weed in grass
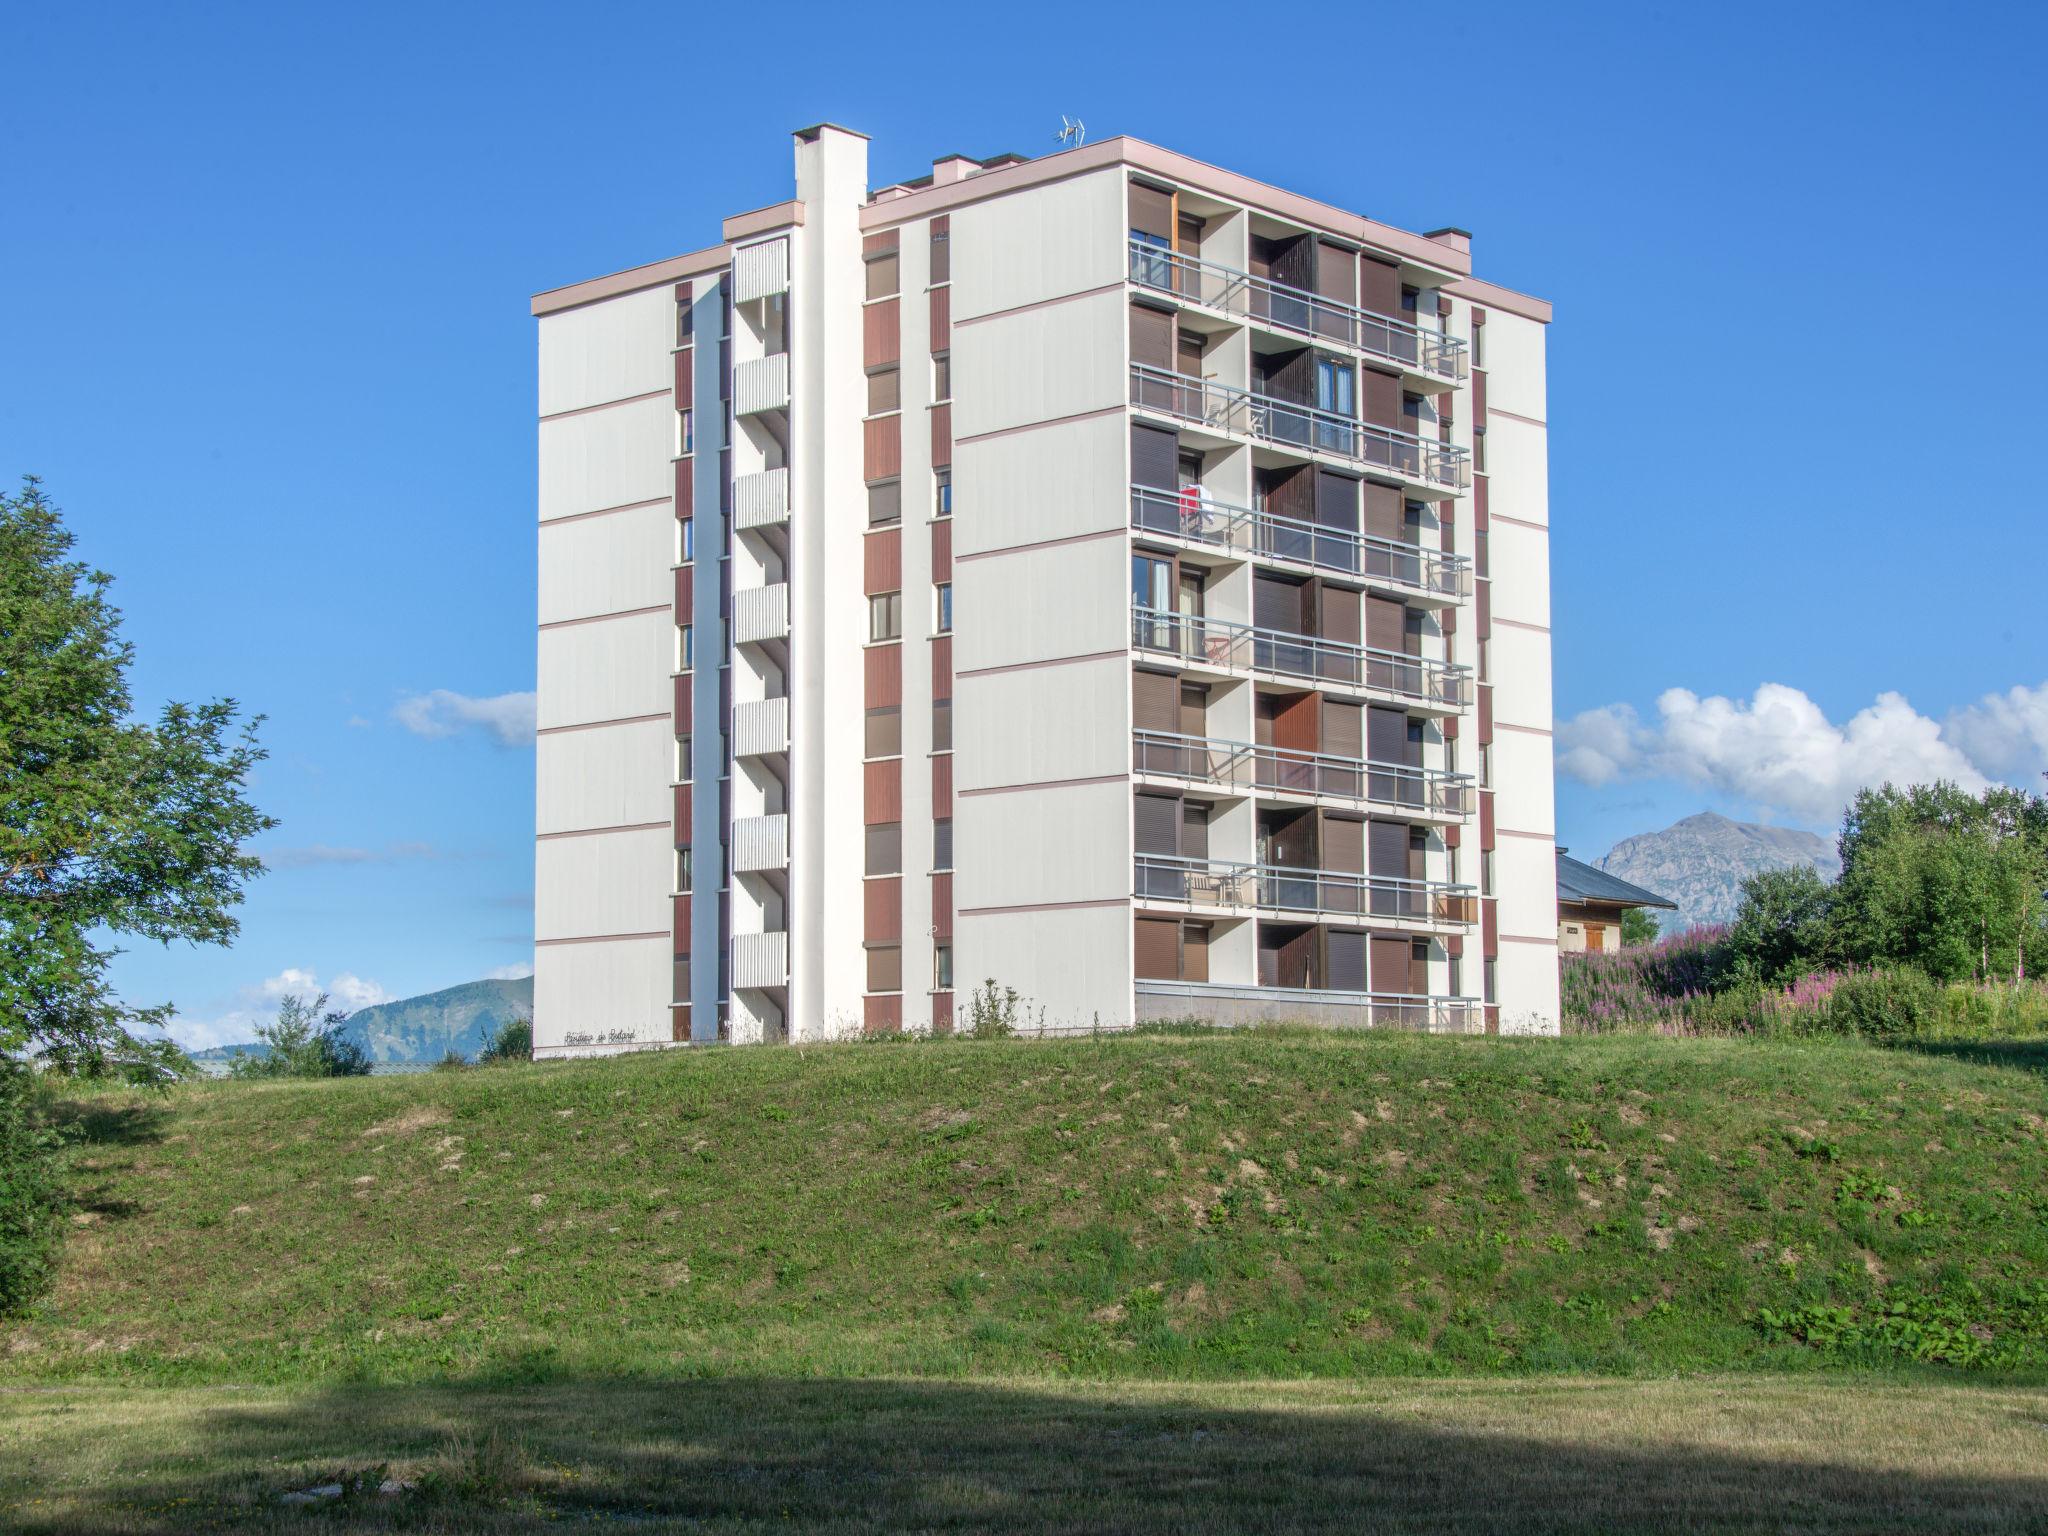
point(29, 1192)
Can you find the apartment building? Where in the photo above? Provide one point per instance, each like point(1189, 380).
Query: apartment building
point(1104, 575)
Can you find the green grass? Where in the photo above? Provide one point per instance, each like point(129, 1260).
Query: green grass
point(1273, 1205)
point(1751, 1454)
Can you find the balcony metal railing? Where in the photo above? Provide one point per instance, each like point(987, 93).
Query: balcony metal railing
point(760, 843)
point(761, 499)
point(1223, 1003)
point(760, 959)
point(1195, 516)
point(760, 727)
point(1291, 424)
point(761, 384)
point(1234, 647)
point(760, 614)
point(1281, 888)
point(1297, 311)
point(1239, 765)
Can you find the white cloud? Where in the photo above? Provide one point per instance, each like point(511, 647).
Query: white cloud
point(257, 1004)
point(507, 717)
point(1780, 751)
point(2005, 733)
point(328, 853)
point(509, 973)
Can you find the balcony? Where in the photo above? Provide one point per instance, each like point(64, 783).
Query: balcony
point(760, 728)
point(760, 615)
point(1226, 646)
point(760, 271)
point(760, 844)
point(1221, 1003)
point(1232, 412)
point(1238, 767)
point(1321, 893)
point(1276, 306)
point(761, 384)
point(760, 959)
point(1197, 518)
point(761, 500)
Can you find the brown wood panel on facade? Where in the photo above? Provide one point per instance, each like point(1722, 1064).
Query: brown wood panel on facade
point(882, 791)
point(684, 388)
point(942, 905)
point(942, 549)
point(942, 667)
point(1391, 970)
point(942, 319)
point(1380, 394)
point(685, 585)
point(679, 925)
point(684, 692)
point(1485, 713)
point(882, 448)
point(1152, 210)
point(1489, 927)
point(686, 487)
point(680, 819)
point(942, 436)
point(1156, 948)
point(882, 1014)
point(942, 1013)
point(1379, 287)
point(1486, 820)
point(884, 676)
point(882, 909)
point(679, 1024)
point(942, 785)
point(880, 244)
point(1479, 399)
point(881, 334)
point(1297, 722)
point(1152, 340)
point(882, 561)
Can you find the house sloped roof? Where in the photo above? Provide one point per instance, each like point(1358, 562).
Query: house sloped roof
point(1582, 882)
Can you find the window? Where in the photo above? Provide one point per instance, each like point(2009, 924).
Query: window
point(725, 310)
point(1488, 968)
point(885, 848)
point(885, 504)
point(885, 967)
point(942, 725)
point(682, 869)
point(882, 276)
point(1151, 259)
point(1486, 871)
point(1333, 386)
point(942, 843)
point(884, 391)
point(682, 759)
point(1457, 976)
point(682, 322)
point(885, 732)
point(942, 493)
point(1478, 346)
point(885, 616)
point(942, 966)
point(686, 540)
point(942, 376)
point(1408, 298)
point(680, 978)
point(686, 433)
point(1478, 451)
point(686, 647)
point(1486, 765)
point(942, 252)
point(942, 608)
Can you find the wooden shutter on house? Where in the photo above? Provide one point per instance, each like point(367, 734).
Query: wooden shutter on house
point(1387, 850)
point(1152, 337)
point(1346, 960)
point(1276, 603)
point(1386, 515)
point(1292, 493)
point(1155, 457)
point(1380, 393)
point(1390, 965)
point(1295, 723)
point(1387, 735)
point(1158, 949)
point(1341, 728)
point(1152, 211)
point(1344, 844)
point(1418, 968)
point(1380, 287)
point(1336, 613)
point(1194, 952)
point(1155, 701)
point(1194, 831)
point(1336, 273)
point(1157, 825)
point(1386, 623)
point(1336, 501)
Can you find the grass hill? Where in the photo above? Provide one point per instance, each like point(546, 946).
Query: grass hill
point(419, 1030)
point(1201, 1206)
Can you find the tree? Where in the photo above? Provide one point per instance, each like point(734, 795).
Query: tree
point(306, 1040)
point(1638, 928)
point(512, 1042)
point(108, 824)
point(1784, 927)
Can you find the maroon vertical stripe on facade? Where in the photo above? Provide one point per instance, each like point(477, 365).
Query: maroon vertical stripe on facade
point(882, 909)
point(942, 1013)
point(942, 667)
point(942, 786)
point(685, 585)
point(942, 436)
point(882, 791)
point(682, 815)
point(1479, 400)
point(1486, 820)
point(942, 905)
point(684, 693)
point(681, 918)
point(1489, 927)
point(686, 493)
point(1485, 714)
point(679, 1024)
point(882, 1015)
point(882, 447)
point(884, 676)
point(881, 333)
point(685, 386)
point(942, 549)
point(882, 561)
point(942, 319)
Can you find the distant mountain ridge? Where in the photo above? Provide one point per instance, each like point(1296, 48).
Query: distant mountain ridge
point(1701, 862)
point(421, 1030)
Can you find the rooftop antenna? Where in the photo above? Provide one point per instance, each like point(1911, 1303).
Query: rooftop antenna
point(1073, 132)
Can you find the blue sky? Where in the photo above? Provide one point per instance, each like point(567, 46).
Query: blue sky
point(267, 343)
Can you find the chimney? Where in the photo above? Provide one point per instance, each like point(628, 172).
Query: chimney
point(951, 168)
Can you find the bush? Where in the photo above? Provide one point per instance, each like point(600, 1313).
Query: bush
point(29, 1192)
point(306, 1041)
point(1887, 1006)
point(512, 1042)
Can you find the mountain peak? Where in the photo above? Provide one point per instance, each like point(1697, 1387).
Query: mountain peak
point(1701, 861)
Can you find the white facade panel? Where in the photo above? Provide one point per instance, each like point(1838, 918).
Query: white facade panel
point(1072, 965)
point(615, 669)
point(1521, 677)
point(1050, 482)
point(1515, 367)
point(611, 564)
point(1041, 243)
point(1059, 843)
point(1518, 459)
point(608, 776)
point(1039, 364)
point(601, 995)
point(1524, 798)
point(1526, 975)
point(1040, 725)
point(604, 885)
point(1004, 612)
point(609, 458)
point(1519, 559)
point(611, 350)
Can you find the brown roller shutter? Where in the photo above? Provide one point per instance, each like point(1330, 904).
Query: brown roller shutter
point(1380, 288)
point(1336, 273)
point(685, 387)
point(1344, 845)
point(1386, 514)
point(1387, 844)
point(1155, 701)
point(1346, 951)
point(1390, 965)
point(1152, 337)
point(884, 676)
point(1341, 726)
point(942, 784)
point(1194, 831)
point(1297, 722)
point(1337, 613)
point(1152, 211)
point(1478, 401)
point(1485, 713)
point(1380, 393)
point(1277, 603)
point(1418, 968)
point(1155, 457)
point(1157, 824)
point(1157, 948)
point(1386, 624)
point(942, 904)
point(942, 667)
point(1336, 501)
point(1194, 953)
point(1387, 736)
